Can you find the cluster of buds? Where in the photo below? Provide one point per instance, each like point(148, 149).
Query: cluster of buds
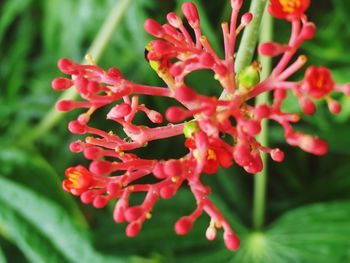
point(114, 169)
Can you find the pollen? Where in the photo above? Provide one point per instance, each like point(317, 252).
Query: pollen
point(211, 155)
point(289, 6)
point(74, 179)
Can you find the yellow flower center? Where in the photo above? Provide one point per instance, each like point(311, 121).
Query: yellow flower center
point(289, 6)
point(74, 179)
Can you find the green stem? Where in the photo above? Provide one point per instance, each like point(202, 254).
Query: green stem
point(250, 37)
point(260, 179)
point(96, 49)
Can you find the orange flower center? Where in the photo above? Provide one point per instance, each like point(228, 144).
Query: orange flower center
point(290, 6)
point(211, 155)
point(74, 177)
point(320, 82)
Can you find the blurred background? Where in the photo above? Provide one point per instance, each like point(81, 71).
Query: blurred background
point(308, 209)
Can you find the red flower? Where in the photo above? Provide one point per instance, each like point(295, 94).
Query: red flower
point(79, 179)
point(288, 9)
point(318, 82)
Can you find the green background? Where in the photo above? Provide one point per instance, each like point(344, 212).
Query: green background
point(308, 207)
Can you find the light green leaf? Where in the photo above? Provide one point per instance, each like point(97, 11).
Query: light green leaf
point(21, 164)
point(34, 245)
point(51, 221)
point(315, 233)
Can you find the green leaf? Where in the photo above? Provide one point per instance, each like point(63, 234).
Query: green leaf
point(31, 242)
point(51, 221)
point(315, 233)
point(21, 164)
point(10, 10)
point(2, 256)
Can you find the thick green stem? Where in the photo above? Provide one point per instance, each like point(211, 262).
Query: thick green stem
point(250, 36)
point(260, 179)
point(95, 51)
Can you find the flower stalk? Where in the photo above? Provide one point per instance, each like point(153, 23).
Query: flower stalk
point(260, 179)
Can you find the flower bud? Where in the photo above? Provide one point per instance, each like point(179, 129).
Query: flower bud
point(255, 165)
point(158, 171)
point(154, 28)
point(133, 229)
point(87, 197)
point(119, 111)
point(236, 4)
point(307, 106)
point(210, 234)
point(61, 83)
point(133, 213)
point(272, 49)
point(231, 241)
point(176, 114)
point(113, 188)
point(308, 31)
point(76, 146)
point(173, 168)
point(76, 127)
point(183, 225)
point(191, 13)
point(277, 155)
point(168, 191)
point(65, 105)
point(93, 87)
point(334, 106)
point(119, 210)
point(100, 167)
point(67, 66)
point(313, 145)
point(92, 153)
point(280, 94)
point(241, 154)
point(174, 20)
point(252, 127)
point(115, 73)
point(99, 201)
point(246, 19)
point(185, 93)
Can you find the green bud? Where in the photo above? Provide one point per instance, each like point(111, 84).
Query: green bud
point(249, 76)
point(190, 128)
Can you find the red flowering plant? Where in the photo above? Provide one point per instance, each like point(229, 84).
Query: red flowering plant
point(115, 170)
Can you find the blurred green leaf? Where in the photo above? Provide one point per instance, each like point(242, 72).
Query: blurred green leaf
point(30, 169)
point(51, 221)
point(2, 256)
point(10, 10)
point(315, 233)
point(32, 243)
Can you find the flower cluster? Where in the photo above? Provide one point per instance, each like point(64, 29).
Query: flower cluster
point(114, 170)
